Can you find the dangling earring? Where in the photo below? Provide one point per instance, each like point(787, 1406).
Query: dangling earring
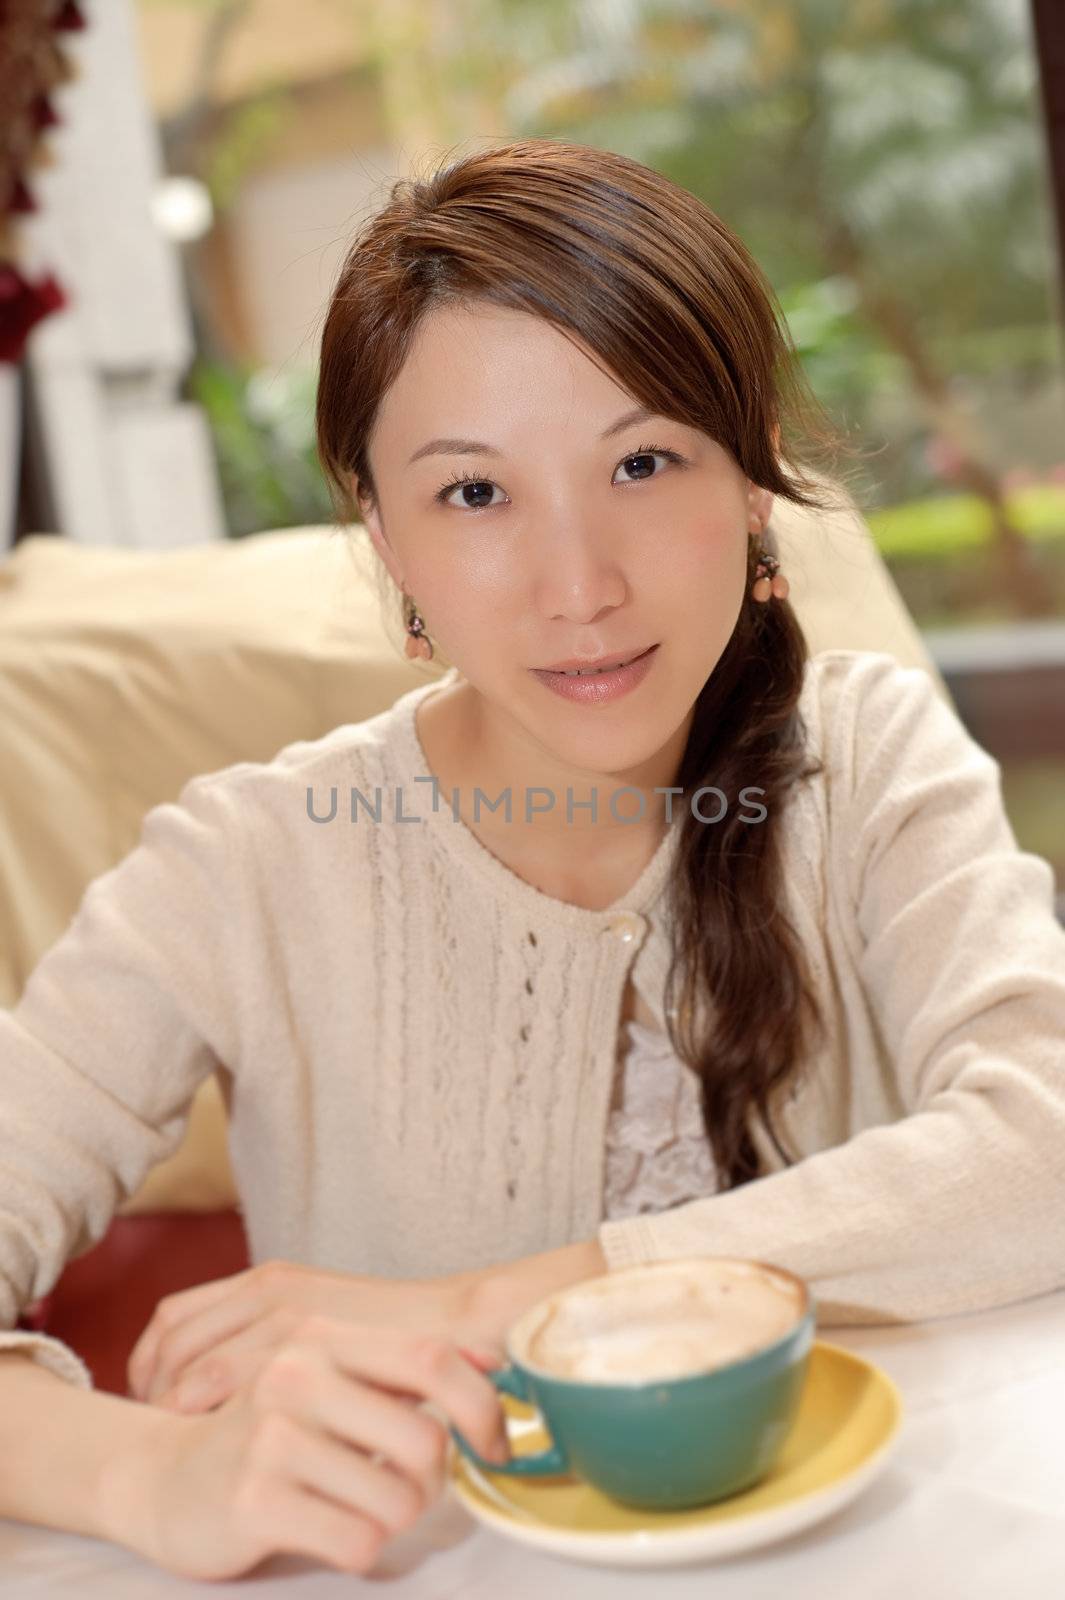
point(769, 580)
point(418, 643)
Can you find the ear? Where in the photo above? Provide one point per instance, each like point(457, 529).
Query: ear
point(370, 516)
point(759, 500)
point(760, 503)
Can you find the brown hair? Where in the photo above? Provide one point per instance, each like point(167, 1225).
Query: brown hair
point(673, 307)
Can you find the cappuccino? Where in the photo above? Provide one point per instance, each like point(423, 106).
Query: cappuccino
point(664, 1320)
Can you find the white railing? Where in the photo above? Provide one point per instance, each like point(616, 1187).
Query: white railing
point(125, 459)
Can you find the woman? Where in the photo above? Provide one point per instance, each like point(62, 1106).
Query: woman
point(532, 975)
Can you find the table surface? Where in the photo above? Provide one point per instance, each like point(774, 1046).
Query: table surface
point(972, 1503)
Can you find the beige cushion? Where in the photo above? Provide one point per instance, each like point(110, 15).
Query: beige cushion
point(125, 672)
point(122, 674)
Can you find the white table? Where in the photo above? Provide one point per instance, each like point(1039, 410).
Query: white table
point(972, 1507)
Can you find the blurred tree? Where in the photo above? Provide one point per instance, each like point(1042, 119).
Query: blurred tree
point(882, 159)
point(262, 424)
point(889, 146)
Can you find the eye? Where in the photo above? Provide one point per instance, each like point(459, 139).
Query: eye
point(647, 452)
point(463, 480)
point(466, 480)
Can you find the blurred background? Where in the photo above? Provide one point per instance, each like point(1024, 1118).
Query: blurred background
point(886, 161)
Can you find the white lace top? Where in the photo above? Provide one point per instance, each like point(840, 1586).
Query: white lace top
point(657, 1154)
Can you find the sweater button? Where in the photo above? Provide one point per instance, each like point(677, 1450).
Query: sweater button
point(625, 926)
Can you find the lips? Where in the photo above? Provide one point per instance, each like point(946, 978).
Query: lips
point(603, 664)
point(598, 688)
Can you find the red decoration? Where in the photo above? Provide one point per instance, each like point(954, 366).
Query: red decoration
point(43, 113)
point(68, 19)
point(33, 63)
point(22, 305)
point(21, 199)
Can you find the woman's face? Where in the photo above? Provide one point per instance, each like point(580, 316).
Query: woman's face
point(573, 537)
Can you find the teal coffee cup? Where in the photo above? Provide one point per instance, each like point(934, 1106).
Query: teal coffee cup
point(664, 1386)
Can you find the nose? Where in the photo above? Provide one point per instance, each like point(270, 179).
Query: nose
point(579, 574)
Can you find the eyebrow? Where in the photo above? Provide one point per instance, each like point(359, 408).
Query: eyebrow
point(474, 447)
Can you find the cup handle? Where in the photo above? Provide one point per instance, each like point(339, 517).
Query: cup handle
point(508, 1380)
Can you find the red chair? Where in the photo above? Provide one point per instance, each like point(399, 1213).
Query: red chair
point(104, 1300)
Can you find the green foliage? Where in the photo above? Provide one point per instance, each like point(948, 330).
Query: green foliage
point(946, 526)
point(263, 428)
point(914, 127)
point(244, 141)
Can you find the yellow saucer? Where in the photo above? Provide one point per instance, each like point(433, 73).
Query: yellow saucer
point(844, 1433)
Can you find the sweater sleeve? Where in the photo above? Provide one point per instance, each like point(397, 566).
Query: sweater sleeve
point(959, 1205)
point(117, 1025)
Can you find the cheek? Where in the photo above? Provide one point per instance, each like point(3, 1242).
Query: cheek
point(468, 573)
point(468, 601)
point(708, 569)
point(433, 578)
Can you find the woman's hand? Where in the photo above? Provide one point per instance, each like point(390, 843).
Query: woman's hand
point(203, 1344)
point(324, 1453)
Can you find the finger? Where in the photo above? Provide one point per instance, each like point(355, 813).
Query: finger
point(325, 1463)
point(483, 1360)
point(200, 1333)
point(284, 1516)
point(230, 1366)
point(170, 1312)
point(363, 1418)
point(429, 1367)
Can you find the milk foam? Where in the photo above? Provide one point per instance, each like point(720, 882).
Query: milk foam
point(657, 1322)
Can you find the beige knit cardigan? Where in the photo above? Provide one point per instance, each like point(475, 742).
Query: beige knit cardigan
point(418, 1047)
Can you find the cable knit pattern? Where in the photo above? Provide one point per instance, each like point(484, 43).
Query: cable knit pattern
point(422, 1046)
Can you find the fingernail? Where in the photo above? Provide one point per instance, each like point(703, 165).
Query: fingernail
point(194, 1392)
